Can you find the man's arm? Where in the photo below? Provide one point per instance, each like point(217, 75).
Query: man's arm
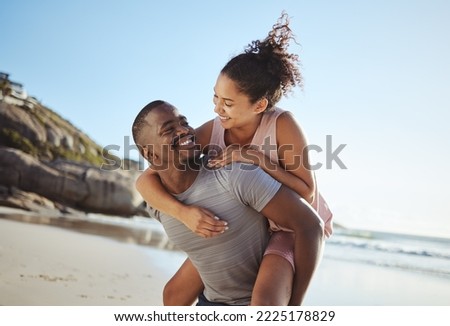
point(288, 210)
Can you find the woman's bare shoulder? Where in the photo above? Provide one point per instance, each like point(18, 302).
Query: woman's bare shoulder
point(203, 133)
point(289, 130)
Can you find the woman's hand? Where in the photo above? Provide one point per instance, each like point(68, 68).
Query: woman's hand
point(236, 153)
point(202, 222)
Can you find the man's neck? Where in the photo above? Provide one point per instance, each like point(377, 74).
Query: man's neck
point(178, 179)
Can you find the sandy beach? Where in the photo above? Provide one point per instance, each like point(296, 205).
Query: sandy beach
point(46, 265)
point(77, 266)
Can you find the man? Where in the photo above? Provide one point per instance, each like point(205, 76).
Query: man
point(242, 194)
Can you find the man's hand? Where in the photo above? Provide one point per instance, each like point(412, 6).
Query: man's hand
point(202, 222)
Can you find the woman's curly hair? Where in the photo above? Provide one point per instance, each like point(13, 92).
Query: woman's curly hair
point(266, 69)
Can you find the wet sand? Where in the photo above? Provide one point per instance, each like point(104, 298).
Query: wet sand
point(47, 265)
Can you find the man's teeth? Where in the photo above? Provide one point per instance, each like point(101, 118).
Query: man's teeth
point(223, 118)
point(186, 142)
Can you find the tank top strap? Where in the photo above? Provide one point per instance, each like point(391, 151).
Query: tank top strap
point(266, 135)
point(217, 140)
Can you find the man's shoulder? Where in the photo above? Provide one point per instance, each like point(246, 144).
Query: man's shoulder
point(236, 170)
point(250, 184)
point(241, 175)
point(241, 166)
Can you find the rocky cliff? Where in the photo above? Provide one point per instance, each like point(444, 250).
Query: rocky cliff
point(48, 164)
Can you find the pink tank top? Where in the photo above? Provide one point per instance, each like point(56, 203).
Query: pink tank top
point(266, 139)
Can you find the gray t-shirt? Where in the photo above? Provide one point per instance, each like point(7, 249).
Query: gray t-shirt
point(227, 263)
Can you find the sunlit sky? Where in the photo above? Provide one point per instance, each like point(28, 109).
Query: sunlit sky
point(377, 79)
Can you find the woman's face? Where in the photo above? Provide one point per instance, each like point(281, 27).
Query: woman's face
point(233, 107)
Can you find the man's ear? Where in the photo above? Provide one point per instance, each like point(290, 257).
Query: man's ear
point(261, 105)
point(148, 153)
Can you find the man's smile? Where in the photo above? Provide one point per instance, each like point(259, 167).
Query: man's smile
point(184, 142)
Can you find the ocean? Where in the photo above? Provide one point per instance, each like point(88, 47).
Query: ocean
point(419, 254)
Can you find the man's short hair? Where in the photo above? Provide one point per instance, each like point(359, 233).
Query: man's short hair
point(140, 122)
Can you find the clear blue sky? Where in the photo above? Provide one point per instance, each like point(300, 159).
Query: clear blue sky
point(377, 78)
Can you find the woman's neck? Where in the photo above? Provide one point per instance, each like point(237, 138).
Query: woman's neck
point(242, 135)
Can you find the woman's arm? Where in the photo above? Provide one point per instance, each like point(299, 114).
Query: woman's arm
point(201, 221)
point(294, 157)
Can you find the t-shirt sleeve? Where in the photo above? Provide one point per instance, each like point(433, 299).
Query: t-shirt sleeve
point(251, 185)
point(153, 213)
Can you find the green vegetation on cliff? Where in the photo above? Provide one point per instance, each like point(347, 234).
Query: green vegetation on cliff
point(49, 137)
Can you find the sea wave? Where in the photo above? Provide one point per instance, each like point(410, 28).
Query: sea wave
point(408, 252)
point(384, 246)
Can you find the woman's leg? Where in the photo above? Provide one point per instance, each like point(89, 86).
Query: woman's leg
point(273, 284)
point(184, 287)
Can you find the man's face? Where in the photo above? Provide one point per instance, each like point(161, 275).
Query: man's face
point(169, 137)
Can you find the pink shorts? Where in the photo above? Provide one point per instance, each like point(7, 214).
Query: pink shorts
point(281, 243)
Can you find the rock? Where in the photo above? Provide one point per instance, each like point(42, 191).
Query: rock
point(16, 198)
point(19, 120)
point(81, 186)
point(42, 133)
point(46, 163)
